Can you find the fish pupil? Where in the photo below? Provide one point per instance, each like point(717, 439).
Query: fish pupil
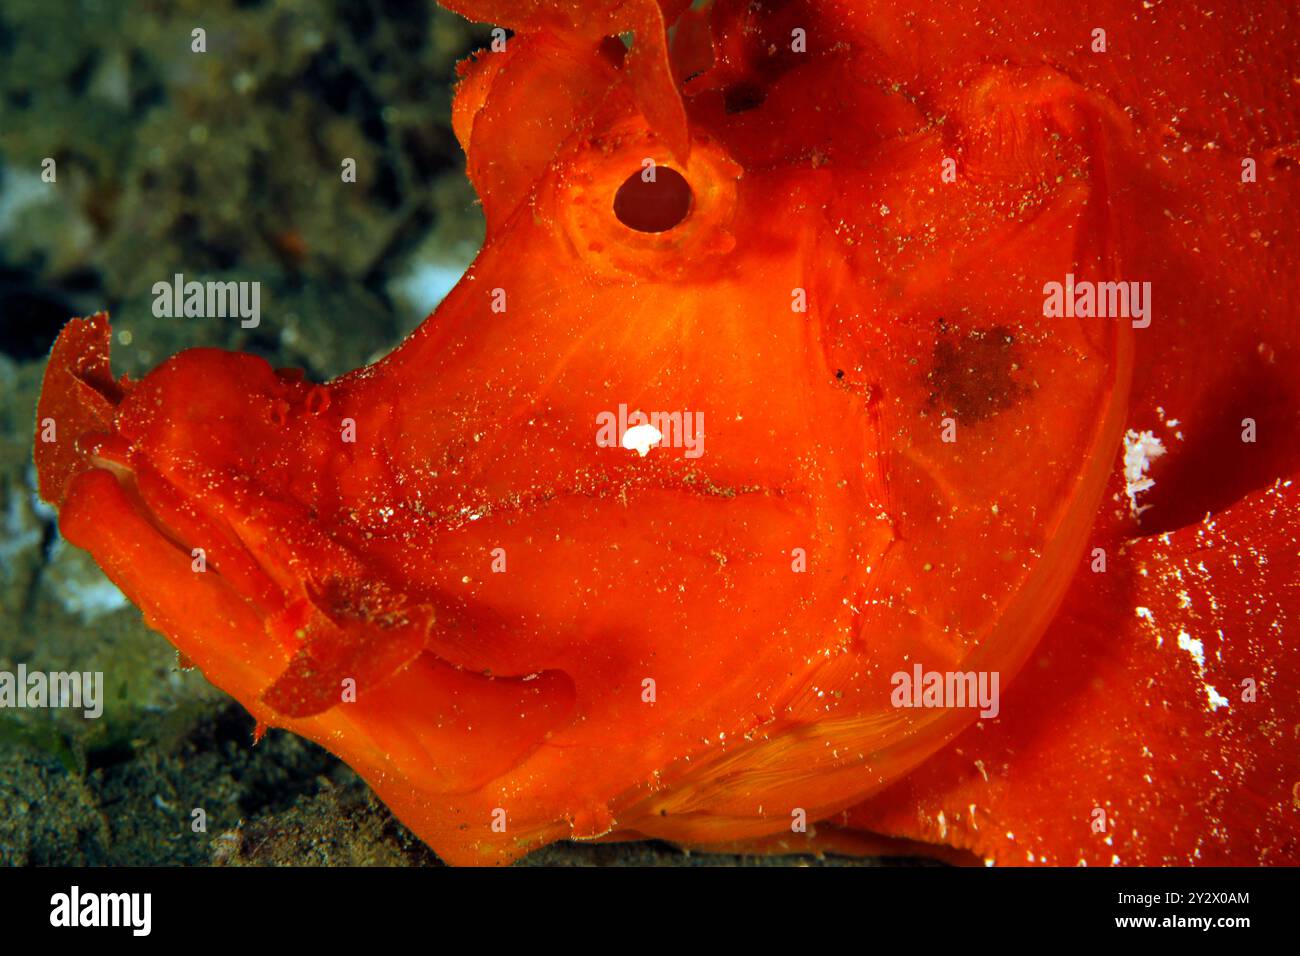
point(654, 206)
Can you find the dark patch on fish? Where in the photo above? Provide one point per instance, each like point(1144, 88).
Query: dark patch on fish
point(974, 374)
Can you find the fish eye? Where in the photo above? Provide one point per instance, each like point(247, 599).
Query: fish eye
point(655, 200)
point(626, 213)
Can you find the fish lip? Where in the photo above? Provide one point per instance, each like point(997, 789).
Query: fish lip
point(127, 475)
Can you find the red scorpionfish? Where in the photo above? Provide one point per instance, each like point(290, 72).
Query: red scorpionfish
point(860, 418)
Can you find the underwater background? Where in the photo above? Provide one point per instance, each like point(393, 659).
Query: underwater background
point(218, 165)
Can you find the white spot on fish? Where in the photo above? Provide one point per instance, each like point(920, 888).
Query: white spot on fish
point(1140, 449)
point(641, 438)
point(1194, 647)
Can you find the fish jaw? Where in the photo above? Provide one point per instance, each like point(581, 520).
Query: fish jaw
point(421, 731)
point(102, 513)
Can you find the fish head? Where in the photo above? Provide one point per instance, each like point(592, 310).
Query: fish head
point(875, 449)
point(843, 351)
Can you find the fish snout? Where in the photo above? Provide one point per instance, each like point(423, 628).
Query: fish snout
point(195, 489)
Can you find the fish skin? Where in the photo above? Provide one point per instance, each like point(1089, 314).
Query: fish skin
point(1109, 750)
point(1106, 718)
point(520, 697)
point(648, 66)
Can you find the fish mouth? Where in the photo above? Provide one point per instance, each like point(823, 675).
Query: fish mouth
point(249, 611)
point(318, 593)
point(226, 577)
point(426, 735)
